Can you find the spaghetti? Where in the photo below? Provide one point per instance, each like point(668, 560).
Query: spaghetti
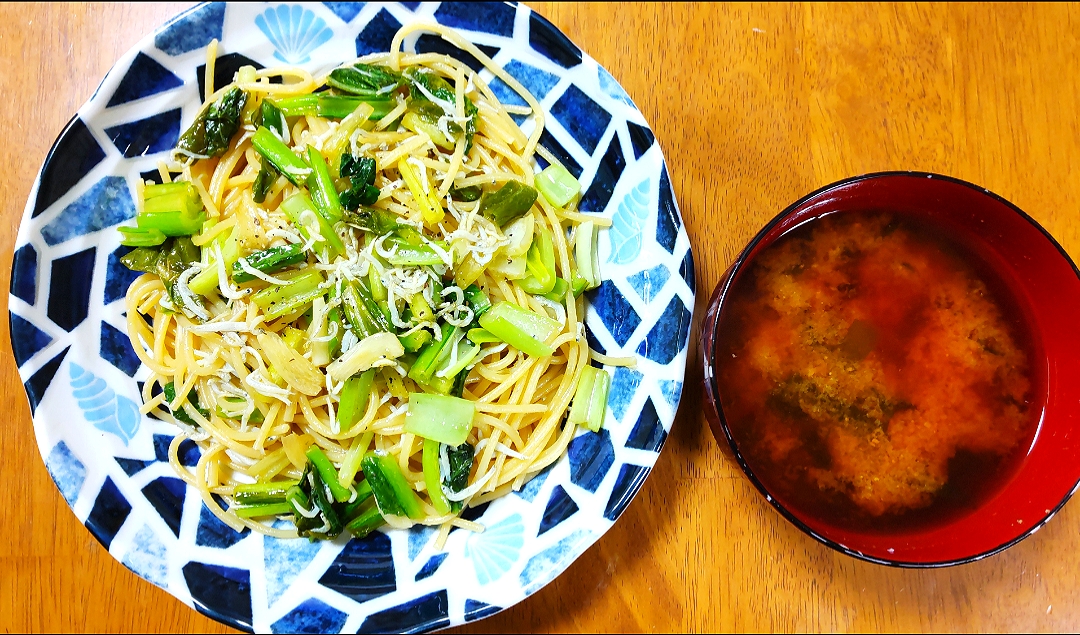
point(428, 295)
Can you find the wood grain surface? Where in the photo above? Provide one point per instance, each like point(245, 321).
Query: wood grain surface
point(753, 106)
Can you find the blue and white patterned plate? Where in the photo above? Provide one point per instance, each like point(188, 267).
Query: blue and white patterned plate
point(83, 380)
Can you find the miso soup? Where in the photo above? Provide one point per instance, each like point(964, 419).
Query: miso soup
point(874, 373)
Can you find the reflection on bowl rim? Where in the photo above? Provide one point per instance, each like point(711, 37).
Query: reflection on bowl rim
point(708, 335)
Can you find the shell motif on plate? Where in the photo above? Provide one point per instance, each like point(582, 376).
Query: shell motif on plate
point(102, 407)
point(495, 551)
point(294, 31)
point(627, 224)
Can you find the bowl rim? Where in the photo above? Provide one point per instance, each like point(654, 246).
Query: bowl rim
point(712, 387)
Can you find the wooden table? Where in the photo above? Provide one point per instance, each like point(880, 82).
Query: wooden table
point(753, 106)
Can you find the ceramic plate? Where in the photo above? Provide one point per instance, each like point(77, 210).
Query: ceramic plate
point(83, 380)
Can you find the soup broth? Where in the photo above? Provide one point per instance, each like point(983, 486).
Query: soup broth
point(873, 375)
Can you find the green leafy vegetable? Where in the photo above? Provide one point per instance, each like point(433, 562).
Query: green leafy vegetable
point(328, 473)
point(364, 80)
point(393, 493)
point(426, 84)
point(466, 194)
point(213, 129)
point(314, 489)
point(361, 175)
point(168, 261)
point(170, 396)
point(460, 459)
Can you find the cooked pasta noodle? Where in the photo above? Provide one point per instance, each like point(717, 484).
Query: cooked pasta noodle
point(255, 411)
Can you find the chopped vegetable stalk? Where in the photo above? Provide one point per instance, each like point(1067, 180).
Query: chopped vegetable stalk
point(416, 340)
point(586, 253)
point(141, 237)
point(174, 209)
point(302, 289)
point(540, 264)
point(408, 254)
point(558, 290)
point(295, 207)
point(362, 311)
point(266, 509)
point(421, 310)
point(598, 403)
point(439, 417)
point(393, 493)
point(294, 368)
point(354, 399)
point(380, 347)
point(590, 398)
point(328, 473)
point(351, 465)
point(268, 261)
point(433, 477)
point(427, 124)
point(426, 363)
point(210, 133)
point(525, 330)
point(273, 119)
point(367, 522)
point(207, 280)
point(512, 200)
point(280, 156)
point(376, 221)
point(263, 180)
point(431, 214)
point(321, 186)
point(334, 106)
point(481, 336)
point(578, 284)
point(466, 353)
point(557, 185)
point(351, 510)
point(378, 289)
point(262, 493)
point(477, 300)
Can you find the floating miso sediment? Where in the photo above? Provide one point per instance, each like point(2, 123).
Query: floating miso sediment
point(874, 373)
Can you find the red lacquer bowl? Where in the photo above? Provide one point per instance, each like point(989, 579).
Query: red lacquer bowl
point(1044, 282)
